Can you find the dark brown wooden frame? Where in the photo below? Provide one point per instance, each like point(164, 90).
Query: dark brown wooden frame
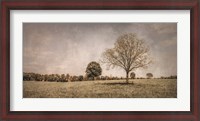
point(192, 5)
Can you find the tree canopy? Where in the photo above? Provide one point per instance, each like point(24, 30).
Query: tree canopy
point(93, 70)
point(132, 75)
point(149, 75)
point(129, 52)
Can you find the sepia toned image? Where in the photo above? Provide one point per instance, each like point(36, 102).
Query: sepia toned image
point(99, 60)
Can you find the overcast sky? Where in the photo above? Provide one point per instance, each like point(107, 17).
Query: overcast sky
point(68, 47)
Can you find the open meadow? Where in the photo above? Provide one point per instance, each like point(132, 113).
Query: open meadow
point(137, 88)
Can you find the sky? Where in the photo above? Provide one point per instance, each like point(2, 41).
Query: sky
point(61, 48)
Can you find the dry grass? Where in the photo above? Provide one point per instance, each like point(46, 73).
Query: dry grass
point(144, 88)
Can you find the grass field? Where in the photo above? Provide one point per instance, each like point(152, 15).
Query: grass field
point(142, 88)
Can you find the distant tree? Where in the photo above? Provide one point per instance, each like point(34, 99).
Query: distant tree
point(93, 70)
point(129, 53)
point(107, 77)
point(103, 78)
point(57, 78)
point(173, 77)
point(67, 77)
point(62, 78)
point(38, 77)
point(149, 75)
point(26, 77)
point(169, 77)
point(33, 76)
point(80, 78)
point(132, 75)
point(52, 78)
point(46, 76)
point(74, 78)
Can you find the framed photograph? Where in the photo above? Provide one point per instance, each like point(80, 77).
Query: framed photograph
point(100, 60)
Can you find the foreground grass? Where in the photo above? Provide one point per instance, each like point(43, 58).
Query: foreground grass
point(144, 88)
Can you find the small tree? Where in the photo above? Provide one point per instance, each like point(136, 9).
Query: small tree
point(129, 53)
point(93, 70)
point(149, 75)
point(26, 76)
point(80, 78)
point(132, 75)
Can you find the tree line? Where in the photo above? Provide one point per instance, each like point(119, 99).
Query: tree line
point(64, 77)
point(73, 78)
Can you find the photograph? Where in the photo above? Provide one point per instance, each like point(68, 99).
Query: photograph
point(99, 60)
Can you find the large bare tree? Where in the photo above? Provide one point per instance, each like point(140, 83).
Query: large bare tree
point(129, 52)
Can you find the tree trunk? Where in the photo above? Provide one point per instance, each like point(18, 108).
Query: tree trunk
point(127, 74)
